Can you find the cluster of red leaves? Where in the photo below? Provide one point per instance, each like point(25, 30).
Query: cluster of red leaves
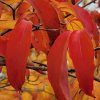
point(15, 47)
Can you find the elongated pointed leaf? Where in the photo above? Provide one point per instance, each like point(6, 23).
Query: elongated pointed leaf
point(57, 69)
point(18, 47)
point(82, 54)
point(48, 16)
point(88, 22)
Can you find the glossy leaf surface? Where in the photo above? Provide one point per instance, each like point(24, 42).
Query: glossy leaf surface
point(82, 54)
point(18, 47)
point(57, 69)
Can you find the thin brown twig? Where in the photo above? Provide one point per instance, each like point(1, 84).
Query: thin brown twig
point(6, 4)
point(13, 9)
point(8, 30)
point(78, 2)
point(44, 68)
point(97, 48)
point(4, 86)
point(93, 1)
point(37, 68)
point(19, 4)
point(39, 63)
point(73, 76)
point(45, 29)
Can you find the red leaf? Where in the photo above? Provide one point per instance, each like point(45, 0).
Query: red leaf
point(0, 69)
point(82, 54)
point(96, 16)
point(18, 47)
point(57, 70)
point(40, 40)
point(48, 16)
point(27, 72)
point(22, 8)
point(88, 22)
point(3, 44)
point(34, 18)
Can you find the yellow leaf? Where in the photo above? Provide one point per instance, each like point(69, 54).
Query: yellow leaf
point(4, 70)
point(69, 61)
point(11, 1)
point(41, 57)
point(6, 16)
point(64, 7)
point(76, 94)
point(73, 24)
point(7, 24)
point(47, 93)
point(26, 96)
point(96, 91)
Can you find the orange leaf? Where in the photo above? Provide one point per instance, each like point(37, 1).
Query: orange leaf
point(82, 54)
point(11, 1)
point(7, 24)
point(0, 10)
point(96, 90)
